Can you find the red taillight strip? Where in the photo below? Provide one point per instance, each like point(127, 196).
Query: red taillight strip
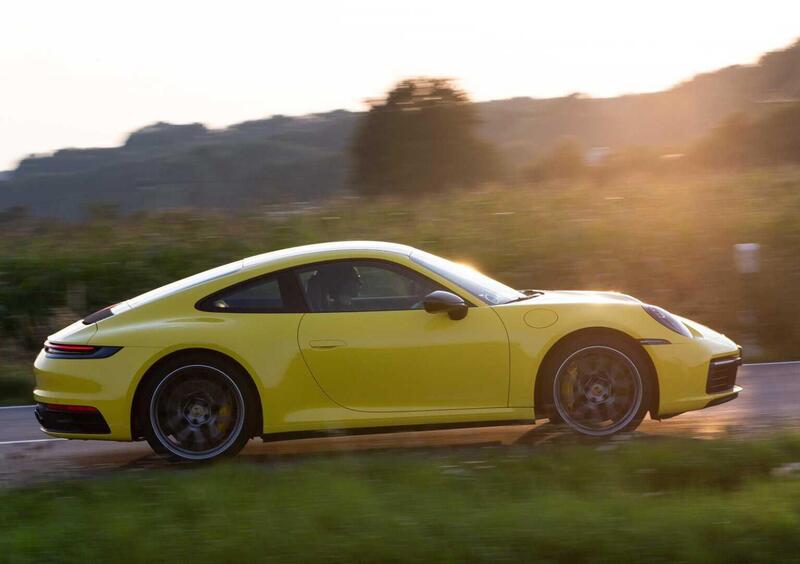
point(57, 347)
point(64, 407)
point(63, 351)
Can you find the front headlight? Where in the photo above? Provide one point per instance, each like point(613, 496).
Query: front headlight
point(666, 319)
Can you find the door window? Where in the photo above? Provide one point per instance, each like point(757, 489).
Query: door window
point(363, 285)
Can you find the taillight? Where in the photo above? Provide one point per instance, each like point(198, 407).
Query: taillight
point(77, 350)
point(64, 350)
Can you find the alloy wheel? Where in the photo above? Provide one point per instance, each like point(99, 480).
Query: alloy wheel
point(197, 412)
point(597, 390)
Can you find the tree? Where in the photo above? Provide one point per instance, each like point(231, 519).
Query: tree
point(420, 138)
point(771, 137)
point(729, 145)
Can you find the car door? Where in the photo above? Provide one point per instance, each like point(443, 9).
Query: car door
point(371, 346)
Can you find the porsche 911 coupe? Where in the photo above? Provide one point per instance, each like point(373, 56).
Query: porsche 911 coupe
point(367, 336)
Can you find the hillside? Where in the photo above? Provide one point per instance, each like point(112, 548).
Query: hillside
point(524, 126)
point(305, 158)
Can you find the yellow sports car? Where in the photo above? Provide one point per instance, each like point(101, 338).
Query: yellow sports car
point(365, 336)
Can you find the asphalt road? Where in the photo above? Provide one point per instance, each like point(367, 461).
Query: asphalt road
point(770, 402)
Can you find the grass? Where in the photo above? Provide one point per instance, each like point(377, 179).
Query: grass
point(16, 383)
point(639, 501)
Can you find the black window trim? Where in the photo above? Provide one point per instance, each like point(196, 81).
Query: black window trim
point(394, 264)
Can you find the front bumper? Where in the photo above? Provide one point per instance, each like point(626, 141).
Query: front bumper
point(695, 373)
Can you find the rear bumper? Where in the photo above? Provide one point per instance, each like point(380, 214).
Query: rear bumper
point(53, 419)
point(107, 384)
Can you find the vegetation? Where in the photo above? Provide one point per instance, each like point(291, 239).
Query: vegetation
point(635, 502)
point(421, 138)
point(16, 382)
point(665, 239)
point(565, 161)
point(771, 138)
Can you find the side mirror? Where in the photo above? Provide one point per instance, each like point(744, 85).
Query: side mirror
point(441, 302)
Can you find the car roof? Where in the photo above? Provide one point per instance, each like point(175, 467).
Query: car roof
point(322, 248)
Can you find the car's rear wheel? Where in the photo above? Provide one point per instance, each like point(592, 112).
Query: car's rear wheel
point(600, 387)
point(196, 410)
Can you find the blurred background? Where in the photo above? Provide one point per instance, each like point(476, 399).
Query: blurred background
point(653, 150)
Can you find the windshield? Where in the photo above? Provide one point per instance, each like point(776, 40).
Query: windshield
point(488, 290)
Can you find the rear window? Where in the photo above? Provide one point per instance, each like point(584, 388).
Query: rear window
point(263, 295)
point(275, 293)
point(186, 283)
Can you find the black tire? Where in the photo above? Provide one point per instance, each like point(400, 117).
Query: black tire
point(197, 408)
point(598, 385)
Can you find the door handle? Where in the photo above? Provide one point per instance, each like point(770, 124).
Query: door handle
point(326, 343)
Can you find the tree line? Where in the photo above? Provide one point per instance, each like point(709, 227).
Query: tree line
point(421, 137)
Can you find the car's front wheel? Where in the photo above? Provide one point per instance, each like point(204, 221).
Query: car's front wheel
point(600, 387)
point(196, 410)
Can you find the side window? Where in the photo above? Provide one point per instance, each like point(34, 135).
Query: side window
point(363, 286)
point(262, 295)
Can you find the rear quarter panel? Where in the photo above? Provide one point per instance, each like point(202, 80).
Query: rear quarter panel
point(265, 345)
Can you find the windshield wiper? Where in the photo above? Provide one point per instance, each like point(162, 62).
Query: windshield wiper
point(528, 295)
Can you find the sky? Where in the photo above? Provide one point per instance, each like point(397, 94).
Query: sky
point(84, 73)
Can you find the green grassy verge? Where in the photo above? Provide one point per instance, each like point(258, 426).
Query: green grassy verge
point(658, 501)
point(16, 384)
